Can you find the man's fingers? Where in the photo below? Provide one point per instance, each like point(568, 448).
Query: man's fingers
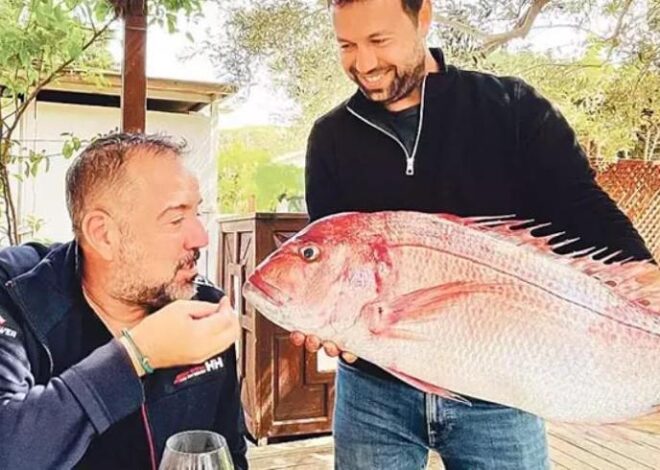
point(218, 323)
point(312, 343)
point(331, 349)
point(200, 309)
point(297, 338)
point(348, 357)
point(224, 302)
point(225, 306)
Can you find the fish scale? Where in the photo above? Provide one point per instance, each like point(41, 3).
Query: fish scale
point(473, 307)
point(537, 268)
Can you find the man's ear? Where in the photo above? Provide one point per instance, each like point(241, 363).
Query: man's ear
point(101, 233)
point(425, 17)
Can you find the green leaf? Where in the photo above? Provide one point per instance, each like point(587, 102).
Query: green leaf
point(102, 10)
point(74, 50)
point(171, 23)
point(67, 149)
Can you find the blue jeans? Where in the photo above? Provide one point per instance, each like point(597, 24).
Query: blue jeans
point(385, 425)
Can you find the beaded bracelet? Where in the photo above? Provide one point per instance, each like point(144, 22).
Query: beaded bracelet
point(142, 359)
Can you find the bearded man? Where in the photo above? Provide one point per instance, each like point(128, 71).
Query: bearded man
point(111, 343)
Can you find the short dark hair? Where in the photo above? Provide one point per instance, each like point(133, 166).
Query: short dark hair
point(101, 166)
point(411, 7)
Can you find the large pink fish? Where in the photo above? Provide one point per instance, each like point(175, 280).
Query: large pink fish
point(472, 307)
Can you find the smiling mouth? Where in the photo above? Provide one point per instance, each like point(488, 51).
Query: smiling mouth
point(372, 79)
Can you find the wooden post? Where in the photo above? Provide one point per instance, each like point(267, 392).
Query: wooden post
point(134, 76)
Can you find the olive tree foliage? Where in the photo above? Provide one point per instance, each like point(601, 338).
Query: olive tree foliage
point(605, 80)
point(41, 41)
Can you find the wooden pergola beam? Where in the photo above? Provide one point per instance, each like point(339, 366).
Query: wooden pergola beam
point(134, 73)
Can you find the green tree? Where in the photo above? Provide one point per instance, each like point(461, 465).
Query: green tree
point(40, 40)
point(617, 52)
point(249, 178)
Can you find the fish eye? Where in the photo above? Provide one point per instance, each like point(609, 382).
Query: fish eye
point(310, 252)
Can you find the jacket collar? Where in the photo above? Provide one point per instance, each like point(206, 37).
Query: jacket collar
point(435, 84)
point(47, 292)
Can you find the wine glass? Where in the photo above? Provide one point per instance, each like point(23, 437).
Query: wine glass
point(196, 450)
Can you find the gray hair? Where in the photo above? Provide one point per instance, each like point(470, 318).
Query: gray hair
point(101, 167)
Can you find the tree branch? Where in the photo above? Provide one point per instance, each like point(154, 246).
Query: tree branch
point(460, 27)
point(619, 23)
point(54, 74)
point(521, 29)
point(90, 17)
point(614, 38)
point(10, 210)
point(560, 65)
point(571, 26)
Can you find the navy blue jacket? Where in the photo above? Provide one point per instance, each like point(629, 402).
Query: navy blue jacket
point(61, 408)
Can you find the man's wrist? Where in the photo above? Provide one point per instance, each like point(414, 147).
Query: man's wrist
point(139, 370)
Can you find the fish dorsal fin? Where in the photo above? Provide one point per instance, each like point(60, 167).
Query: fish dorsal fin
point(636, 281)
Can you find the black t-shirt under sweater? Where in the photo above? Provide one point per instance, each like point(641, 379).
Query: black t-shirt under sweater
point(402, 123)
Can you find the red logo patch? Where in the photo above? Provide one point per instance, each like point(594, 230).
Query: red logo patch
point(211, 365)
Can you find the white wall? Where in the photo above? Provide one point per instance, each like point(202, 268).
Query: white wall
point(43, 196)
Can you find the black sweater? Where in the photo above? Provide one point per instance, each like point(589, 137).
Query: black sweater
point(487, 145)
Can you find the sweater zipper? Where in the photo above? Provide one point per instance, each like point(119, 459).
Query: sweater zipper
point(410, 158)
point(10, 290)
point(150, 439)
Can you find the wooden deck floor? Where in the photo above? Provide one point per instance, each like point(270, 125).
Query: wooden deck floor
point(569, 449)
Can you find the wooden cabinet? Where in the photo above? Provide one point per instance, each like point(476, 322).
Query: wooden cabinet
point(285, 390)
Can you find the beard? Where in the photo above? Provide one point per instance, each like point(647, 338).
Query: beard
point(407, 79)
point(132, 286)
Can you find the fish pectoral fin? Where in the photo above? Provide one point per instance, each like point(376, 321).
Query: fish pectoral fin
point(421, 304)
point(427, 387)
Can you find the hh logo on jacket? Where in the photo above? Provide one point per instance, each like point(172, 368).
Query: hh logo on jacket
point(212, 365)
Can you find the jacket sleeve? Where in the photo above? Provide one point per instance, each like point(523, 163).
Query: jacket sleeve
point(321, 185)
point(230, 420)
point(51, 425)
point(562, 184)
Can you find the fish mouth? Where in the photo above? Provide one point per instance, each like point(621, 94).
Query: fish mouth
point(257, 284)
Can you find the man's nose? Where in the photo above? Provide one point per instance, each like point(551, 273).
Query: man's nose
point(197, 236)
point(366, 60)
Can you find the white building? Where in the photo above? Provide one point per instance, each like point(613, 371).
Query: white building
point(75, 105)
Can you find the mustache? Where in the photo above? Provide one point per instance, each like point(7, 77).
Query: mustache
point(190, 259)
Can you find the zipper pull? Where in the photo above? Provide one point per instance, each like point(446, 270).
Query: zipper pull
point(410, 166)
